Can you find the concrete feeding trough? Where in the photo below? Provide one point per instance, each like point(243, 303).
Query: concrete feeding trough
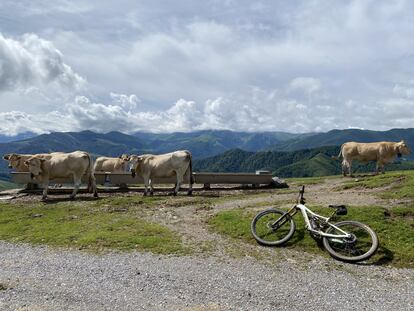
point(123, 179)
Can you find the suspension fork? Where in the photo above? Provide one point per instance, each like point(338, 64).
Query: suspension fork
point(285, 217)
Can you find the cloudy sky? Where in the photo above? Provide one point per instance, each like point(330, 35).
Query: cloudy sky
point(164, 66)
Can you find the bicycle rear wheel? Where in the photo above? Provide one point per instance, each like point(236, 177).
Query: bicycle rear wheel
point(362, 244)
point(272, 227)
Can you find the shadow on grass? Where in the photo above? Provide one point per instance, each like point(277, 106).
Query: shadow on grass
point(298, 236)
point(383, 256)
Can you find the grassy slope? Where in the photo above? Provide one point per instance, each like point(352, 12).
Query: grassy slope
point(401, 184)
point(114, 223)
point(393, 227)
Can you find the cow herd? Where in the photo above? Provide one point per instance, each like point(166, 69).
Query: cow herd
point(46, 166)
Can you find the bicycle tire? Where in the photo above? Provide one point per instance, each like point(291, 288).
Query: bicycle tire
point(346, 249)
point(260, 234)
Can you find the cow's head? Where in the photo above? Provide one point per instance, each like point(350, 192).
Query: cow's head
point(14, 159)
point(125, 157)
point(402, 148)
point(134, 163)
point(35, 165)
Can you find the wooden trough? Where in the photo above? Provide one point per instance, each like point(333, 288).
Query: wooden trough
point(117, 179)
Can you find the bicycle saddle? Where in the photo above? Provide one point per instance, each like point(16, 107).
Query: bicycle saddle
point(340, 209)
point(337, 206)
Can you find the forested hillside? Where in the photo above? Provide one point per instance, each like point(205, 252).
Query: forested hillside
point(338, 137)
point(301, 163)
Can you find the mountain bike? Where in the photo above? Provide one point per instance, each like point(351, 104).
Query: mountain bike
point(349, 241)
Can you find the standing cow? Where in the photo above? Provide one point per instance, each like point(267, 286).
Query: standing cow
point(16, 161)
point(62, 165)
point(113, 165)
point(164, 165)
point(382, 152)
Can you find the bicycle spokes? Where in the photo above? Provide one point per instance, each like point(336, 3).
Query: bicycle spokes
point(359, 242)
point(273, 227)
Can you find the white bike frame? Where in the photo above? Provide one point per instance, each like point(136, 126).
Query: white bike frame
point(306, 211)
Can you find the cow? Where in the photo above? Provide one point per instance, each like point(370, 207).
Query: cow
point(164, 165)
point(16, 161)
point(113, 165)
point(382, 152)
point(62, 165)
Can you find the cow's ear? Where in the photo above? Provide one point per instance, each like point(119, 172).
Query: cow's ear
point(120, 157)
point(6, 156)
point(27, 163)
point(42, 160)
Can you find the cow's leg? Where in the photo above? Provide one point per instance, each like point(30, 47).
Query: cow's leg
point(344, 167)
point(45, 188)
point(179, 181)
point(350, 168)
point(146, 184)
point(382, 167)
point(377, 169)
point(151, 187)
point(92, 182)
point(76, 182)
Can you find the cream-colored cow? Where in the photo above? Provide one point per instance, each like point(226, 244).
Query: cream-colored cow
point(164, 165)
point(16, 160)
point(113, 165)
point(382, 152)
point(62, 165)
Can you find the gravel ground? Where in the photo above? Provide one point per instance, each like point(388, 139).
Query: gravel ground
point(42, 278)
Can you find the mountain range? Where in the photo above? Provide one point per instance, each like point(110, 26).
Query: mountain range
point(285, 154)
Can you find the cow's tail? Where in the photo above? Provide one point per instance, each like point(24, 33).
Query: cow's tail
point(339, 155)
point(91, 176)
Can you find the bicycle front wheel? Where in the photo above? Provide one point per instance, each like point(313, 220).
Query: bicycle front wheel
point(361, 245)
point(272, 227)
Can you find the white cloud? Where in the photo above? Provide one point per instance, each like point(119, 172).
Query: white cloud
point(34, 62)
point(241, 66)
point(128, 102)
point(308, 85)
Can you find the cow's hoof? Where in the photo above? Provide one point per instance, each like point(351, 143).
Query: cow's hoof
point(151, 194)
point(172, 193)
point(145, 194)
point(189, 193)
point(44, 199)
point(95, 195)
